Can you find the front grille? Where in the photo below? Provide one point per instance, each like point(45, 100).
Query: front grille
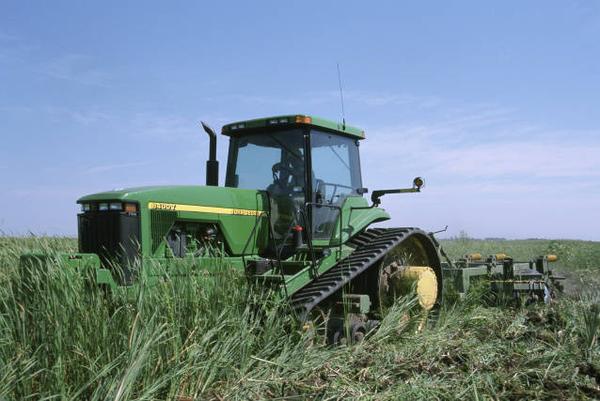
point(161, 222)
point(114, 236)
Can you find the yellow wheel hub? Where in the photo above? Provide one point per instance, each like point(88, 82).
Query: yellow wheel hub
point(426, 284)
point(397, 280)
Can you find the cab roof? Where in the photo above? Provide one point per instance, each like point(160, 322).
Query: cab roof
point(292, 120)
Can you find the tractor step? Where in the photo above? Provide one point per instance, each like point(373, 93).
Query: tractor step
point(272, 278)
point(265, 267)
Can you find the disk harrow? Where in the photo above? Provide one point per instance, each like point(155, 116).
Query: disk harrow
point(519, 281)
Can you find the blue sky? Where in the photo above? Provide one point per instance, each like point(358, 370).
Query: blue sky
point(496, 105)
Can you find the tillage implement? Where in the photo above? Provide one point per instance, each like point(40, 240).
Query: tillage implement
point(292, 216)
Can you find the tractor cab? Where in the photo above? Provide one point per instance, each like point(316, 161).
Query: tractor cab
point(306, 166)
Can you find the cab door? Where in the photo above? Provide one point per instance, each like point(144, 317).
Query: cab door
point(335, 176)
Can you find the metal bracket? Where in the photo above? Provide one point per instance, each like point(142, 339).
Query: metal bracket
point(376, 195)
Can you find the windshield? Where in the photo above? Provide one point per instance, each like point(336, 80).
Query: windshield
point(267, 161)
point(272, 162)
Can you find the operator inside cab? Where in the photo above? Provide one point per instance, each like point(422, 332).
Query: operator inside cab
point(287, 191)
point(288, 175)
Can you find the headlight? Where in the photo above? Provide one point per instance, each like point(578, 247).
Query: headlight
point(131, 207)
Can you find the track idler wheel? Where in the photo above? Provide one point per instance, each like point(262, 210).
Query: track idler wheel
point(407, 268)
point(396, 280)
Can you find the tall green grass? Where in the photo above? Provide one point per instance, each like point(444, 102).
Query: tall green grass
point(205, 339)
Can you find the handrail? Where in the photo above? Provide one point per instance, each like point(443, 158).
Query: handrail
point(311, 250)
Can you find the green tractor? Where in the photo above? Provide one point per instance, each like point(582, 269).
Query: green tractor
point(292, 216)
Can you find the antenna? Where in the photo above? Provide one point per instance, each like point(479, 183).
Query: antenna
point(341, 96)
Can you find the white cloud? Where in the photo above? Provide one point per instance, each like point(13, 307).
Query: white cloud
point(173, 127)
point(83, 117)
point(490, 158)
point(163, 127)
point(332, 96)
point(484, 142)
point(113, 166)
point(75, 68)
point(524, 158)
point(386, 99)
point(487, 172)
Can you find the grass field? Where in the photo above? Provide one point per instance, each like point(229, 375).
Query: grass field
point(200, 340)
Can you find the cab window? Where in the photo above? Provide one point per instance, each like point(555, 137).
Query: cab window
point(335, 176)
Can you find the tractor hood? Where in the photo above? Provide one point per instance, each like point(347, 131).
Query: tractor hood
point(183, 195)
point(235, 211)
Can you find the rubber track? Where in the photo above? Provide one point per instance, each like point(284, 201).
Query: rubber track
point(371, 246)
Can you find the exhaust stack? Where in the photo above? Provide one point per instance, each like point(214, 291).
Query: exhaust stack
point(212, 164)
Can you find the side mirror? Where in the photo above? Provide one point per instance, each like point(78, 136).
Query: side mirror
point(418, 183)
